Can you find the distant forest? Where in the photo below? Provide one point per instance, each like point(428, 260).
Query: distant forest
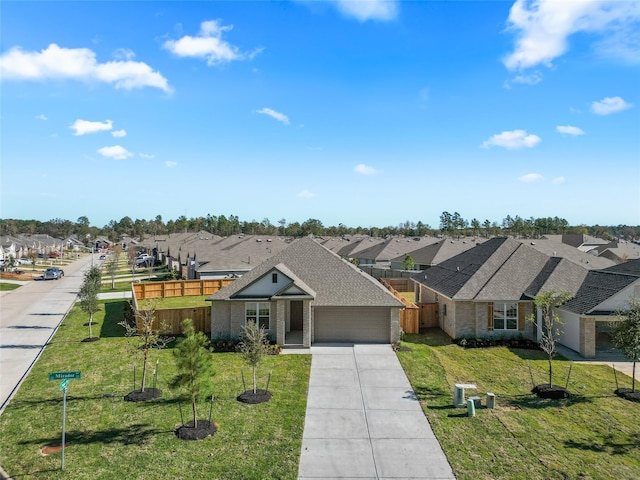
point(451, 224)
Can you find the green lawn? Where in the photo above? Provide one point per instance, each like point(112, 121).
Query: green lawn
point(4, 286)
point(110, 438)
point(593, 435)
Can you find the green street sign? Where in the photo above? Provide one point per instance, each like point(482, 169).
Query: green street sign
point(63, 384)
point(63, 375)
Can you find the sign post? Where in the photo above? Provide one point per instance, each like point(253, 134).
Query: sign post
point(63, 387)
point(65, 377)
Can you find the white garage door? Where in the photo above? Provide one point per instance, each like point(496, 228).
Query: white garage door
point(352, 324)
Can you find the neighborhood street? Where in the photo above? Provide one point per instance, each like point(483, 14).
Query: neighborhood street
point(29, 316)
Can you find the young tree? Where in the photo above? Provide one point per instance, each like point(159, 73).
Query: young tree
point(148, 335)
point(88, 295)
point(112, 269)
point(194, 364)
point(408, 263)
point(253, 347)
point(625, 335)
point(549, 324)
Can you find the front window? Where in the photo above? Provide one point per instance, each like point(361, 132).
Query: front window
point(258, 312)
point(505, 316)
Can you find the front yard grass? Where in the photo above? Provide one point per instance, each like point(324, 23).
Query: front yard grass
point(593, 435)
point(110, 438)
point(5, 286)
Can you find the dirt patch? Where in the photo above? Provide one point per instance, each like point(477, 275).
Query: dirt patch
point(187, 431)
point(51, 449)
point(554, 392)
point(249, 397)
point(90, 339)
point(144, 396)
point(627, 394)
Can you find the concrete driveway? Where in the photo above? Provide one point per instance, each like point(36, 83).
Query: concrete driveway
point(363, 419)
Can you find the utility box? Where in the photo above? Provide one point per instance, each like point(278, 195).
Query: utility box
point(491, 400)
point(458, 393)
point(471, 408)
point(476, 402)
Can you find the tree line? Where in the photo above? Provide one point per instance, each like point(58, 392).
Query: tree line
point(451, 224)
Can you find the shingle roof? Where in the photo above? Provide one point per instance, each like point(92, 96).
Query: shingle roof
point(554, 248)
point(601, 285)
point(451, 276)
point(439, 250)
point(391, 248)
point(334, 281)
point(558, 275)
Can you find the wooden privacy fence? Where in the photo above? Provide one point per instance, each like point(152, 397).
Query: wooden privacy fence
point(428, 315)
point(177, 288)
point(410, 315)
point(168, 321)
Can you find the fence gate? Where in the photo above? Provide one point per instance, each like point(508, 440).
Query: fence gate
point(429, 315)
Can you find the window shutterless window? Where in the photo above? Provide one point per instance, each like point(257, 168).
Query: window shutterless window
point(505, 316)
point(258, 312)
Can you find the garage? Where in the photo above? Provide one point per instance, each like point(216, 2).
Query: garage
point(352, 324)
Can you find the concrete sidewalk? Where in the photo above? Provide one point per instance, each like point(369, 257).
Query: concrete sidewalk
point(364, 421)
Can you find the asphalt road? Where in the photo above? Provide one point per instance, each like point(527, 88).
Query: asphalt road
point(29, 316)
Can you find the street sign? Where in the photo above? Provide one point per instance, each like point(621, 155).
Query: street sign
point(63, 384)
point(63, 375)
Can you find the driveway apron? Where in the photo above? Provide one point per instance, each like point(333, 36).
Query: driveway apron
point(363, 419)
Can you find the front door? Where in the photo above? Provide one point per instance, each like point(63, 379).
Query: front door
point(296, 315)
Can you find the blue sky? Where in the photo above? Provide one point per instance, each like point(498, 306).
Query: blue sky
point(353, 112)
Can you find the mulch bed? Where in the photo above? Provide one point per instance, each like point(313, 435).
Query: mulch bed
point(254, 398)
point(146, 395)
point(187, 431)
point(90, 339)
point(554, 392)
point(627, 394)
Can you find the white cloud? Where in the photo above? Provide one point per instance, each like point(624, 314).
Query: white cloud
point(364, 169)
point(273, 114)
point(543, 27)
point(170, 164)
point(306, 194)
point(569, 130)
point(531, 177)
point(558, 180)
point(116, 152)
point(42, 116)
point(82, 127)
point(609, 105)
point(208, 44)
point(363, 10)
point(146, 155)
point(119, 133)
point(56, 62)
point(530, 79)
point(512, 140)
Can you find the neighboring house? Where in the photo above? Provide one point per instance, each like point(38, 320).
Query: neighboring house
point(619, 251)
point(351, 249)
point(440, 250)
point(381, 254)
point(552, 248)
point(233, 256)
point(586, 317)
point(306, 294)
point(488, 290)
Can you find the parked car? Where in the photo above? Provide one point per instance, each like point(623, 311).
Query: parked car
point(53, 273)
